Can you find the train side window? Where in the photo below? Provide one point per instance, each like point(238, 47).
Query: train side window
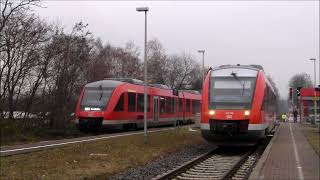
point(131, 102)
point(162, 105)
point(194, 106)
point(264, 101)
point(180, 104)
point(148, 103)
point(120, 104)
point(168, 105)
point(140, 103)
point(187, 105)
point(173, 104)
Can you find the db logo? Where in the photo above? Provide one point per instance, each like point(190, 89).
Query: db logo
point(229, 115)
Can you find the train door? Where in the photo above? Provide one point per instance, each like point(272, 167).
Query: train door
point(155, 108)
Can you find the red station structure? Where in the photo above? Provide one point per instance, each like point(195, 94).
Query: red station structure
point(308, 96)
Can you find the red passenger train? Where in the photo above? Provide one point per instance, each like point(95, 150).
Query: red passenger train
point(119, 103)
point(239, 105)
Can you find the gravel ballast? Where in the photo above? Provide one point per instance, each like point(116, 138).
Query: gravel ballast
point(165, 164)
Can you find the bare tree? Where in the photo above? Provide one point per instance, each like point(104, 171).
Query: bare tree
point(22, 35)
point(117, 62)
point(10, 8)
point(181, 71)
point(67, 76)
point(157, 62)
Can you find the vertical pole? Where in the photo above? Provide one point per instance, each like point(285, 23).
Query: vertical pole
point(305, 80)
point(315, 73)
point(315, 106)
point(203, 71)
point(145, 79)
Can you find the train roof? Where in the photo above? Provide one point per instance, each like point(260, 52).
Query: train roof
point(161, 86)
point(252, 66)
point(114, 82)
point(104, 83)
point(127, 80)
point(191, 91)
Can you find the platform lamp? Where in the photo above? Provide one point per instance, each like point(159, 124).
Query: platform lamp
point(145, 10)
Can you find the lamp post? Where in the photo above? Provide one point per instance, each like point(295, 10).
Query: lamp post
point(314, 70)
point(145, 10)
point(315, 84)
point(203, 73)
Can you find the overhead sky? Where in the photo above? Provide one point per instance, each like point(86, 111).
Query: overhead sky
point(279, 35)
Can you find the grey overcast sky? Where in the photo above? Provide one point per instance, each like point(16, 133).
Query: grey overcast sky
point(279, 35)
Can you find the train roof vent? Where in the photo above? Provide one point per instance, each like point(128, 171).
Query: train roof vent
point(127, 80)
point(257, 66)
point(160, 86)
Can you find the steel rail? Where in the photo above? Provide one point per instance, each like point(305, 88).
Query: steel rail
point(203, 166)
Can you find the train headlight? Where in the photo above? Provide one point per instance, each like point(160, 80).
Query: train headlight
point(211, 112)
point(246, 113)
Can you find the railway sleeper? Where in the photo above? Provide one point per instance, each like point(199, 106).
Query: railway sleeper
point(218, 162)
point(188, 178)
point(212, 168)
point(204, 173)
point(200, 176)
point(204, 170)
point(234, 178)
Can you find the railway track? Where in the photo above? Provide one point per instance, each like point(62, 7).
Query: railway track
point(220, 163)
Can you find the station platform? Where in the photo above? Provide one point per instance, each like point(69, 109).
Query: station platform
point(288, 156)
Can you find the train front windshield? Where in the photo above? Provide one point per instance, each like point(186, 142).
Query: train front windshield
point(231, 92)
point(96, 98)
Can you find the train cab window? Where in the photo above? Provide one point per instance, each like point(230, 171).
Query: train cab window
point(140, 103)
point(180, 104)
point(131, 102)
point(120, 104)
point(168, 105)
point(162, 105)
point(187, 105)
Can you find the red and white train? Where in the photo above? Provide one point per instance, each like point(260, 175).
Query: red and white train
point(119, 103)
point(238, 105)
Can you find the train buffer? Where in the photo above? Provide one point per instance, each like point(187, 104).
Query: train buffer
point(288, 156)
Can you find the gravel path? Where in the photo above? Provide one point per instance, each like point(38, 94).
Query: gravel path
point(161, 166)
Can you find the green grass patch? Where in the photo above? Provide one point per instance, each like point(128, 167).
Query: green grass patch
point(313, 136)
point(12, 132)
point(98, 159)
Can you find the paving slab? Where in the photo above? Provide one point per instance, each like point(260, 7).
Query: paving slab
point(288, 156)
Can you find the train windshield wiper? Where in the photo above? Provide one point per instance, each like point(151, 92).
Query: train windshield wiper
point(101, 92)
point(242, 83)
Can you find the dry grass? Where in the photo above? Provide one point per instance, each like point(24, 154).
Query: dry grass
point(97, 159)
point(313, 136)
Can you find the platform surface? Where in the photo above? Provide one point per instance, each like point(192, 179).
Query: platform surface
point(288, 156)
